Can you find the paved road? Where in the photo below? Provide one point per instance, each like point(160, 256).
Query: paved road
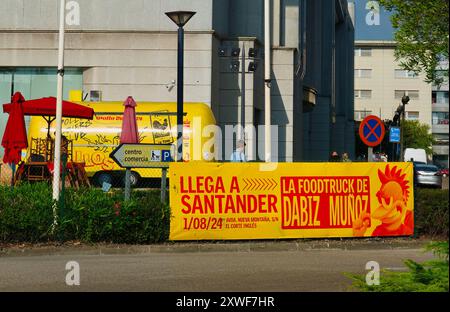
point(303, 270)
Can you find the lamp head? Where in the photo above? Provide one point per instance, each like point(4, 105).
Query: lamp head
point(180, 17)
point(405, 99)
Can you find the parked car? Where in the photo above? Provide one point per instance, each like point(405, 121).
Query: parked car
point(427, 175)
point(444, 172)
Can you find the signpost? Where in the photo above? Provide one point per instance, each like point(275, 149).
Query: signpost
point(145, 156)
point(371, 132)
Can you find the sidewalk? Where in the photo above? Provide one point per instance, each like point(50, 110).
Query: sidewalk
point(77, 248)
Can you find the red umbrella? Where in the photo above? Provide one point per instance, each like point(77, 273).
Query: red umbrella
point(46, 107)
point(129, 126)
point(15, 136)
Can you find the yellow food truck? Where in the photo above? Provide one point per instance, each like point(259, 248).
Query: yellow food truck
point(93, 140)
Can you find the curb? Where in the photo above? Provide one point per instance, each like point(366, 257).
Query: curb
point(213, 246)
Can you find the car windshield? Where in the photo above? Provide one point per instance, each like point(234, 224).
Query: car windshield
point(428, 168)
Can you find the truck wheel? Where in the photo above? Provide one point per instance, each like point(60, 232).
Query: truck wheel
point(134, 179)
point(103, 177)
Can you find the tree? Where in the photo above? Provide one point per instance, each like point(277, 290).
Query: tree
point(422, 35)
point(417, 135)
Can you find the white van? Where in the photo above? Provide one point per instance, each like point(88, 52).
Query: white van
point(415, 154)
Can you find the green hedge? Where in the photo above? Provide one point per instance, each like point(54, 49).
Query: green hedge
point(25, 213)
point(431, 212)
point(93, 216)
point(89, 215)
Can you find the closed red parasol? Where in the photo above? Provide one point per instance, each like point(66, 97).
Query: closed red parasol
point(15, 136)
point(129, 126)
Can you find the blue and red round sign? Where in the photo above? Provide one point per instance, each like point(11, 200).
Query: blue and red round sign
point(371, 131)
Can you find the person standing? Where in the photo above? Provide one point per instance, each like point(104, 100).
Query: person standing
point(345, 157)
point(334, 157)
point(239, 154)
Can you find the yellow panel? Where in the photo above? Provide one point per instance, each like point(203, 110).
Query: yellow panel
point(75, 95)
point(94, 140)
point(290, 200)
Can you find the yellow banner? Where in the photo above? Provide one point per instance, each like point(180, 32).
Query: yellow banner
point(294, 200)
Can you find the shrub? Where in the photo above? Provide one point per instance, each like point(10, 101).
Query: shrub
point(88, 215)
point(430, 276)
point(93, 216)
point(25, 213)
point(431, 212)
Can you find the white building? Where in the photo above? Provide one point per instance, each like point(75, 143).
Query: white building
point(440, 107)
point(123, 48)
point(380, 82)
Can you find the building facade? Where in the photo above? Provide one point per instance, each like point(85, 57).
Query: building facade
point(440, 107)
point(121, 50)
point(380, 82)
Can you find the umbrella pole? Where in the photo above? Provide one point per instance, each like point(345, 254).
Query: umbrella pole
point(48, 126)
point(13, 168)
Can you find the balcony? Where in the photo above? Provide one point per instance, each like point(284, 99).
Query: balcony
point(440, 128)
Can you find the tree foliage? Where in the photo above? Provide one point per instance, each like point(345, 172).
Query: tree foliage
point(417, 135)
point(422, 35)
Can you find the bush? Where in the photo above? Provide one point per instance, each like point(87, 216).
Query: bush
point(431, 212)
point(93, 216)
point(430, 276)
point(89, 215)
point(25, 213)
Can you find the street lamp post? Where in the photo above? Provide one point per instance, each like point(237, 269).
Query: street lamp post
point(405, 100)
point(180, 18)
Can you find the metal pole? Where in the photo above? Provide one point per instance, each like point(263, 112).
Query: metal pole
point(241, 111)
point(163, 185)
point(61, 201)
point(180, 99)
point(59, 95)
point(127, 184)
point(267, 80)
point(13, 173)
point(402, 156)
point(370, 154)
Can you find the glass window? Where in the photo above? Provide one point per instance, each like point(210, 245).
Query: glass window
point(363, 94)
point(363, 52)
point(413, 94)
point(400, 73)
point(34, 83)
point(440, 118)
point(427, 168)
point(360, 115)
point(363, 73)
point(439, 97)
point(412, 115)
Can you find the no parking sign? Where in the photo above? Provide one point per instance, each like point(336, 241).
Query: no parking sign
point(372, 131)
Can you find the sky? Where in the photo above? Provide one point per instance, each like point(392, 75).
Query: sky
point(372, 21)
